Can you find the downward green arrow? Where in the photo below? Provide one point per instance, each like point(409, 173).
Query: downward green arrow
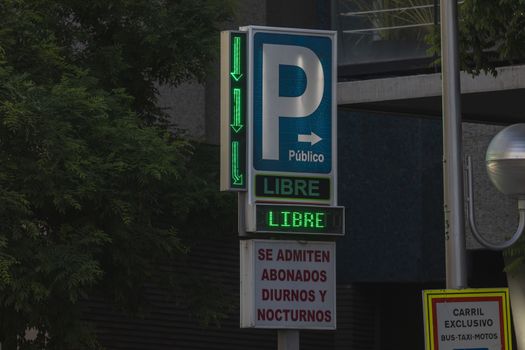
point(237, 111)
point(236, 175)
point(236, 71)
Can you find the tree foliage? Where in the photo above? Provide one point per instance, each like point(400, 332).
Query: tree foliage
point(491, 33)
point(93, 189)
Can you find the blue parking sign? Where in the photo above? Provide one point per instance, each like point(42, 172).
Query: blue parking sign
point(293, 102)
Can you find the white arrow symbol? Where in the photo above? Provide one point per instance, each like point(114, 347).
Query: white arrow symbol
point(312, 138)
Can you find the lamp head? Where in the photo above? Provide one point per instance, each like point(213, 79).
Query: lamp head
point(505, 161)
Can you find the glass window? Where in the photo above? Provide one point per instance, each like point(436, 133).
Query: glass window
point(374, 31)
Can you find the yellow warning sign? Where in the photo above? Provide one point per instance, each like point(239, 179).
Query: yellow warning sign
point(461, 319)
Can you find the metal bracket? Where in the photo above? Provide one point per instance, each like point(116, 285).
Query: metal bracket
point(472, 220)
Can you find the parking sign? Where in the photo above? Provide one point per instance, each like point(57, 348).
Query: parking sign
point(293, 121)
point(292, 107)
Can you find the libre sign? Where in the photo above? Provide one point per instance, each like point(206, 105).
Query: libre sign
point(288, 284)
point(301, 219)
point(458, 319)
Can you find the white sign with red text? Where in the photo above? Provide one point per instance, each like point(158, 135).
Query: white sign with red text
point(287, 284)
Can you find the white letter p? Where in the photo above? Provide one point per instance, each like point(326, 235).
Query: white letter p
point(275, 106)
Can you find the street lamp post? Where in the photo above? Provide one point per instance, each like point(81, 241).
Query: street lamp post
point(456, 275)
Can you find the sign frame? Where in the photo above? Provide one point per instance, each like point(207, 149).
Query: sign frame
point(433, 298)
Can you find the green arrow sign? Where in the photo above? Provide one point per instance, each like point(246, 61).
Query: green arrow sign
point(233, 110)
point(237, 110)
point(236, 67)
point(237, 176)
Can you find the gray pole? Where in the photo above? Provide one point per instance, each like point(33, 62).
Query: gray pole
point(452, 149)
point(287, 340)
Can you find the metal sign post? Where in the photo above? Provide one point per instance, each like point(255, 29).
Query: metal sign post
point(287, 340)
